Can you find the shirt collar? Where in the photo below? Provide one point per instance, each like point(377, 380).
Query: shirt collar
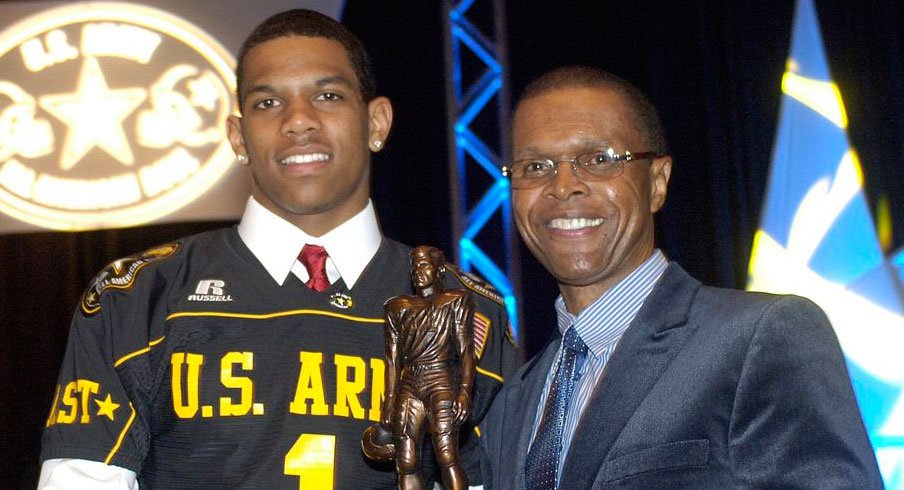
point(605, 320)
point(276, 243)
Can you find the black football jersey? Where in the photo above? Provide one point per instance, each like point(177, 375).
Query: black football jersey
point(189, 365)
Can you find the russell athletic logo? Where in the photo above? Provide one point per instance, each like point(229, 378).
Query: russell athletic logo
point(210, 290)
point(111, 114)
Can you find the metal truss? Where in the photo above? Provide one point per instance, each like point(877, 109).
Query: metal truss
point(477, 109)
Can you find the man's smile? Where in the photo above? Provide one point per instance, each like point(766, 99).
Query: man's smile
point(571, 224)
point(305, 158)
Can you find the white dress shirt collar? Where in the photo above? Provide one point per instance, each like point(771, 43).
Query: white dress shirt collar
point(603, 322)
point(276, 243)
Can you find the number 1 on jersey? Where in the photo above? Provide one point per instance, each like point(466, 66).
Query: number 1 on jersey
point(312, 460)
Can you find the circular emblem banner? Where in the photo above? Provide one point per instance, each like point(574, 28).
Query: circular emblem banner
point(111, 115)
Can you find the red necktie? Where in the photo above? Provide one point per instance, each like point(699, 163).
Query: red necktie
point(313, 258)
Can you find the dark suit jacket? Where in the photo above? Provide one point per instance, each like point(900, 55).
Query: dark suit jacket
point(708, 388)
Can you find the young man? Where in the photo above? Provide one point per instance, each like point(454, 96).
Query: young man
point(657, 381)
point(253, 356)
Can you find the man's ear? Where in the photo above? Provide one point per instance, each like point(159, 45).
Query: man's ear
point(660, 171)
point(379, 123)
point(236, 140)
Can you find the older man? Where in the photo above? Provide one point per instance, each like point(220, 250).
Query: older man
point(656, 380)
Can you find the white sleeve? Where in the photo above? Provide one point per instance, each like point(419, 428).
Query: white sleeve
point(72, 474)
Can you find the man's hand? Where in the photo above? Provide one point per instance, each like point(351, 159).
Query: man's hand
point(461, 407)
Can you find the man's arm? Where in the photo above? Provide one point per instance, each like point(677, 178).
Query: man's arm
point(58, 474)
point(93, 436)
point(96, 431)
point(795, 421)
point(393, 359)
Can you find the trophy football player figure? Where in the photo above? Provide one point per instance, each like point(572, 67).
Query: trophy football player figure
point(429, 374)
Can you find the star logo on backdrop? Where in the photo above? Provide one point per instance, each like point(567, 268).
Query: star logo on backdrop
point(93, 115)
point(110, 117)
point(106, 407)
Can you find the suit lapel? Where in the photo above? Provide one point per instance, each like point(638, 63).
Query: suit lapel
point(644, 352)
point(526, 406)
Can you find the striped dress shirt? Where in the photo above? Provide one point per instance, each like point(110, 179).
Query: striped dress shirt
point(600, 325)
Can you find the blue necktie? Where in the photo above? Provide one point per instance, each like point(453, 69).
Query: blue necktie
point(542, 463)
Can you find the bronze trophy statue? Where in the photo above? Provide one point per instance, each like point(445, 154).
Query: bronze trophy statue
point(429, 374)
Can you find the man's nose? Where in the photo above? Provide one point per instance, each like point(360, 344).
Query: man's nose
point(299, 118)
point(566, 182)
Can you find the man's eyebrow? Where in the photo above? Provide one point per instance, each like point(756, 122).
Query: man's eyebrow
point(530, 150)
point(594, 143)
point(260, 88)
point(265, 88)
point(585, 144)
point(335, 80)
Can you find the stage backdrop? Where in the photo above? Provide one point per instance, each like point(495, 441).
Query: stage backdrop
point(712, 68)
point(112, 113)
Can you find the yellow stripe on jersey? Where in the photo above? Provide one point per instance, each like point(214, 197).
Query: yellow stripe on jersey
point(138, 352)
point(490, 374)
point(122, 435)
point(267, 316)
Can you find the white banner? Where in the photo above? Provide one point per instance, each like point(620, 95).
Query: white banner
point(112, 114)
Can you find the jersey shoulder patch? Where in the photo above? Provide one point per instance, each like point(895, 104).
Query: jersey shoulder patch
point(475, 284)
point(121, 274)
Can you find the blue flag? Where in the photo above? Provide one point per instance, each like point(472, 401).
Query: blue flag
point(817, 239)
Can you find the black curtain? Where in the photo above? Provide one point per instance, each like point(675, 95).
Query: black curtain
point(711, 67)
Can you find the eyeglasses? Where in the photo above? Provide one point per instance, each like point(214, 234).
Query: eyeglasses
point(530, 173)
